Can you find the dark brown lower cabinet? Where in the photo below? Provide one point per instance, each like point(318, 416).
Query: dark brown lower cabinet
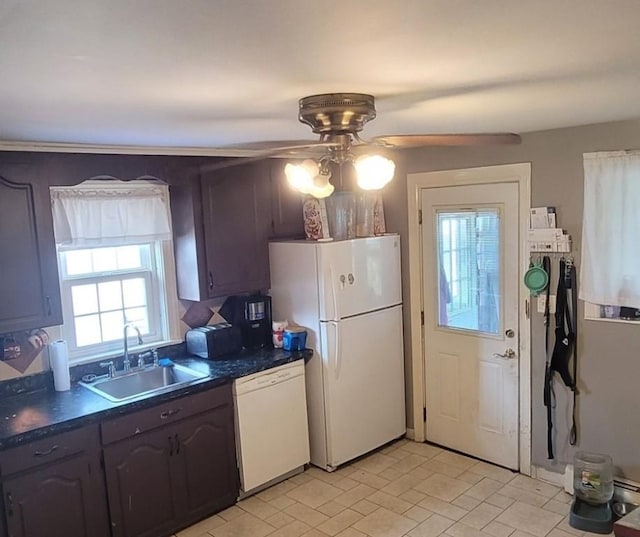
point(140, 485)
point(206, 464)
point(64, 498)
point(169, 477)
point(166, 467)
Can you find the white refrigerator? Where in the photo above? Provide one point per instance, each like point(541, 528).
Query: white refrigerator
point(348, 296)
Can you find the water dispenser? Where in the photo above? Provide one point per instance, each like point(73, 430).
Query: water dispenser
point(593, 491)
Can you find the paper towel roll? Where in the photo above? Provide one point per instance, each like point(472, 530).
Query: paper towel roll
point(59, 362)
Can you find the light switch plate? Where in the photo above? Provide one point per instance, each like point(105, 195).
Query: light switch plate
point(542, 299)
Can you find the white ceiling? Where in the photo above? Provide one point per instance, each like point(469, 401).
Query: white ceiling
point(210, 73)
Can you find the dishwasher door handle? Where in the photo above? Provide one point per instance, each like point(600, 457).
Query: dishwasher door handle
point(266, 379)
point(273, 378)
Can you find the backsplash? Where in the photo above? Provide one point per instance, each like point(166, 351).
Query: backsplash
point(23, 353)
point(33, 356)
point(43, 379)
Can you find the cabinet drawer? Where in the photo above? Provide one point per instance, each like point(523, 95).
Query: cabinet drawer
point(164, 413)
point(49, 449)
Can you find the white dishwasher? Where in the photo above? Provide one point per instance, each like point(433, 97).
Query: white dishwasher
point(272, 432)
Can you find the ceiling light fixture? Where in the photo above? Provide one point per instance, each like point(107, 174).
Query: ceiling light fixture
point(310, 177)
point(337, 118)
point(373, 172)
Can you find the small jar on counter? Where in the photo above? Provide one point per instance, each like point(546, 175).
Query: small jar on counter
point(277, 330)
point(295, 339)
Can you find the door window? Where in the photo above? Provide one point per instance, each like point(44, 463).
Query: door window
point(469, 279)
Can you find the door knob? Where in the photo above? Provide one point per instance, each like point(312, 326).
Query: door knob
point(508, 354)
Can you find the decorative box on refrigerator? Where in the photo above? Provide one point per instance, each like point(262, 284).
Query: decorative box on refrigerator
point(348, 296)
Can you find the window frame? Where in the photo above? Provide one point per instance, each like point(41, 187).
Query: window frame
point(457, 255)
point(157, 304)
point(467, 218)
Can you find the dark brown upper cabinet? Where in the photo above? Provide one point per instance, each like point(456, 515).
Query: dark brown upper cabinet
point(222, 223)
point(286, 205)
point(29, 285)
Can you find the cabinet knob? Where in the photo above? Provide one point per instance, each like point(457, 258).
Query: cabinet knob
point(9, 503)
point(210, 281)
point(48, 303)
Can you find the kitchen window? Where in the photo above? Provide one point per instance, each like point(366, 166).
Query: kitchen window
point(116, 266)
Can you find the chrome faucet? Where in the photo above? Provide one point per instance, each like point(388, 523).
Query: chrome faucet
point(153, 353)
point(111, 366)
point(127, 363)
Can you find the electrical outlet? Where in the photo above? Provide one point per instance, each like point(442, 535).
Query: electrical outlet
point(568, 478)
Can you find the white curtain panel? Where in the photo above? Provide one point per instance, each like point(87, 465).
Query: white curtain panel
point(610, 267)
point(104, 213)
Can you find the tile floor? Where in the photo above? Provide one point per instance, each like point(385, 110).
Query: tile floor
point(404, 489)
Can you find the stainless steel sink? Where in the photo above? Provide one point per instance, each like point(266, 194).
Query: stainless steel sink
point(143, 382)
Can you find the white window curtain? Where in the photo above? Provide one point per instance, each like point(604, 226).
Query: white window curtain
point(110, 212)
point(610, 267)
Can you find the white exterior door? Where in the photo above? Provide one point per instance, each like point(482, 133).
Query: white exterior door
point(470, 265)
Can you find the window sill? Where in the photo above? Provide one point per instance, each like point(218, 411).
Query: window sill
point(592, 313)
point(607, 320)
point(116, 354)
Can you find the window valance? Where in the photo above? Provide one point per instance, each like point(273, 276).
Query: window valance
point(104, 213)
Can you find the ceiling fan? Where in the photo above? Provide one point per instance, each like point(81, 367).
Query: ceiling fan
point(338, 118)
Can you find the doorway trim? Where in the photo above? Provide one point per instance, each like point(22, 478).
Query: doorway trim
point(416, 182)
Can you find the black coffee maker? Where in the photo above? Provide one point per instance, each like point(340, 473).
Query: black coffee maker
point(252, 313)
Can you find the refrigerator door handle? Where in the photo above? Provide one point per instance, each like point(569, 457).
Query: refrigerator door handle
point(336, 368)
point(333, 294)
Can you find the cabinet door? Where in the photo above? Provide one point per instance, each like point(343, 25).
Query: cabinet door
point(65, 498)
point(29, 285)
point(188, 240)
point(286, 205)
point(206, 463)
point(237, 225)
point(140, 485)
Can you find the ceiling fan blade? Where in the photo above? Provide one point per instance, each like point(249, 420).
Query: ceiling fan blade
point(272, 145)
point(422, 140)
point(294, 151)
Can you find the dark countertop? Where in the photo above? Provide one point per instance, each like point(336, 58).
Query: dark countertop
point(31, 415)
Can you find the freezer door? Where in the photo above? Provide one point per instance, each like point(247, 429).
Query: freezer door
point(359, 275)
point(363, 370)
